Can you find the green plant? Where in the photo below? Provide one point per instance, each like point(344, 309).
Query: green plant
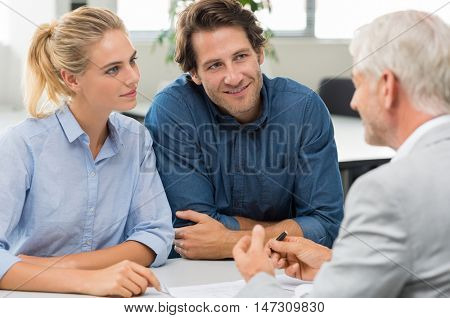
point(168, 36)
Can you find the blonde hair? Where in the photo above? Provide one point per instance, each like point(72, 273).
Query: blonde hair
point(60, 45)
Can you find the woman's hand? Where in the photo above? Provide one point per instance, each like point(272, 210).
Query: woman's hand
point(124, 279)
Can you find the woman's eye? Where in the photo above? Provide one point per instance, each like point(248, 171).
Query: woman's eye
point(112, 70)
point(133, 60)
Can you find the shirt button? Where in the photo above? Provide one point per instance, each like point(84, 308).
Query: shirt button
point(88, 242)
point(92, 174)
point(91, 210)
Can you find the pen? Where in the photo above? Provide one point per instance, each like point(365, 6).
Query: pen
point(165, 290)
point(281, 236)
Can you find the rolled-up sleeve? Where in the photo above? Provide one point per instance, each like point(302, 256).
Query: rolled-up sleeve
point(318, 189)
point(15, 172)
point(150, 220)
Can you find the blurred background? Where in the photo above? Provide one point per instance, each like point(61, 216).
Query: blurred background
point(310, 37)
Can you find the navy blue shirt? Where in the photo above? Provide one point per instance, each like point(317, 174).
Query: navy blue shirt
point(281, 166)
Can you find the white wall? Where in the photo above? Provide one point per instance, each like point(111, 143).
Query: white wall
point(22, 23)
point(305, 60)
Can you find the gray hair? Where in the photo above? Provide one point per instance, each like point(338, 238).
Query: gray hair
point(415, 46)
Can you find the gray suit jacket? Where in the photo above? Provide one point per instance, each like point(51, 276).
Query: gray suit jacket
point(395, 237)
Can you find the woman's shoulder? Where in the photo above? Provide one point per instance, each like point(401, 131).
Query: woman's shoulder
point(130, 130)
point(29, 128)
point(125, 124)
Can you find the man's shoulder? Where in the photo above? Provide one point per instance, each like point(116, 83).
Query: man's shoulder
point(178, 100)
point(284, 85)
point(388, 176)
point(294, 100)
point(406, 177)
point(181, 89)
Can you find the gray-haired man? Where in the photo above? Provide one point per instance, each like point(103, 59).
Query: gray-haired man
point(394, 237)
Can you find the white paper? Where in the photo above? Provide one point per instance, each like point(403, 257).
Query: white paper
point(227, 289)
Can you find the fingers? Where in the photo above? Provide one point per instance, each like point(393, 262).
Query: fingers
point(297, 239)
point(148, 275)
point(178, 243)
point(275, 257)
point(140, 281)
point(258, 235)
point(192, 216)
point(123, 292)
point(131, 286)
point(184, 253)
point(293, 270)
point(282, 263)
point(285, 247)
point(179, 233)
point(241, 247)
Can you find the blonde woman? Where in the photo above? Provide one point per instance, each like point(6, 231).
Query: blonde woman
point(83, 209)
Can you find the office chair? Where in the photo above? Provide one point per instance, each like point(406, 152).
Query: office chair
point(337, 94)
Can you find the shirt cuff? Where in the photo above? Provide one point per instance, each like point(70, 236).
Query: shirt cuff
point(229, 222)
point(313, 230)
point(6, 261)
point(156, 243)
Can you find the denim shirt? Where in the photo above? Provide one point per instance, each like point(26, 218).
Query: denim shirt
point(56, 199)
point(281, 166)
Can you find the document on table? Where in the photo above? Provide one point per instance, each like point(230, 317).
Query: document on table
point(229, 289)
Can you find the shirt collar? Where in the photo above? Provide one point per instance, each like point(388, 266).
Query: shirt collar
point(73, 130)
point(254, 125)
point(417, 134)
point(114, 134)
point(69, 124)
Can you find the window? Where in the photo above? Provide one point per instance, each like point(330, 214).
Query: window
point(339, 19)
point(286, 16)
point(329, 19)
point(144, 15)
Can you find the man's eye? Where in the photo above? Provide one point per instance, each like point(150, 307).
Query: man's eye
point(241, 56)
point(214, 66)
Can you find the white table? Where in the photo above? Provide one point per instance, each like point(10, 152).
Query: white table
point(350, 143)
point(175, 273)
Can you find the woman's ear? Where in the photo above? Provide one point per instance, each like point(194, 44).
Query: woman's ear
point(71, 80)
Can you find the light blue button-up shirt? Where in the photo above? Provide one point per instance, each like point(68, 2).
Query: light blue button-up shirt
point(55, 199)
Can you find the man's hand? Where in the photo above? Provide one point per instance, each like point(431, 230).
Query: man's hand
point(208, 239)
point(250, 256)
point(301, 258)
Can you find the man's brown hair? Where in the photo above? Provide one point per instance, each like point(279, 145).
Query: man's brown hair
point(209, 15)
